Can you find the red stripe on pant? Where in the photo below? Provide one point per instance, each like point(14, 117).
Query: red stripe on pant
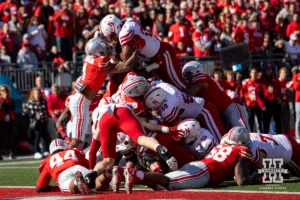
point(79, 123)
point(213, 111)
point(241, 117)
point(199, 174)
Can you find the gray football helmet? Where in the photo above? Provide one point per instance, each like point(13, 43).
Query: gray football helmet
point(190, 69)
point(239, 136)
point(97, 47)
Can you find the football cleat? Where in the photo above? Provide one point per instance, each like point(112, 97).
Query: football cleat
point(170, 160)
point(81, 185)
point(90, 179)
point(130, 179)
point(116, 178)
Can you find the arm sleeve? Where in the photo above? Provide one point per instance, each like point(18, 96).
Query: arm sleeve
point(44, 178)
point(37, 12)
point(259, 96)
point(50, 106)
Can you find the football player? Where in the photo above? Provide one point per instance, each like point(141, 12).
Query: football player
point(170, 105)
point(202, 85)
point(68, 167)
point(195, 139)
point(97, 65)
point(134, 39)
point(114, 118)
point(272, 146)
point(223, 162)
point(66, 118)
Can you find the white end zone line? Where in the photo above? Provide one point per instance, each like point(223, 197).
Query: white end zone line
point(20, 162)
point(191, 190)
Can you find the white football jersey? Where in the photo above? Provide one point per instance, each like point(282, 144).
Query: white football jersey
point(177, 105)
point(144, 41)
point(275, 146)
point(203, 144)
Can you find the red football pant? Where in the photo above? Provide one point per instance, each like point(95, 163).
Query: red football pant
point(210, 119)
point(169, 69)
point(122, 120)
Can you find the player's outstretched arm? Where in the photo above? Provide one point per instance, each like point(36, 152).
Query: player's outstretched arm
point(241, 172)
point(43, 181)
point(62, 120)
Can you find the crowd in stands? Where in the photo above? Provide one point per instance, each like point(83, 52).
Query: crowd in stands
point(45, 30)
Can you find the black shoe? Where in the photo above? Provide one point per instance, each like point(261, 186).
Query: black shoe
point(1, 158)
point(90, 179)
point(170, 160)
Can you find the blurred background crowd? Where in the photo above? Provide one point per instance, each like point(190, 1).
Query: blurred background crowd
point(46, 38)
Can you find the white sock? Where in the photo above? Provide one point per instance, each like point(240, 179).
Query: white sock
point(75, 182)
point(140, 175)
point(157, 146)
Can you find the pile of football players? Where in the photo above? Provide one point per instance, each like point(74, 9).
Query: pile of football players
point(161, 124)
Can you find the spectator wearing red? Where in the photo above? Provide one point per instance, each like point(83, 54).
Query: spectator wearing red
point(64, 30)
point(243, 33)
point(88, 6)
point(202, 40)
point(181, 49)
point(258, 36)
point(81, 21)
point(280, 27)
point(77, 5)
point(13, 7)
point(272, 99)
point(232, 88)
point(6, 16)
point(56, 102)
point(285, 109)
point(7, 118)
point(179, 31)
point(294, 27)
point(296, 86)
point(253, 95)
point(7, 38)
point(267, 22)
point(240, 7)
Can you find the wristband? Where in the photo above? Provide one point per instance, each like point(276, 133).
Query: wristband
point(60, 128)
point(68, 141)
point(165, 129)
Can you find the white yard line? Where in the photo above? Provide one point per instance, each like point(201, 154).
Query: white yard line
point(18, 167)
point(193, 190)
point(21, 162)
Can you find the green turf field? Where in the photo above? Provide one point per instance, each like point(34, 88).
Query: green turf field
point(25, 173)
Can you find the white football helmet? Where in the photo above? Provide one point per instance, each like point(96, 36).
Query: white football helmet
point(154, 97)
point(239, 136)
point(135, 86)
point(110, 27)
point(190, 69)
point(57, 144)
point(191, 129)
point(97, 47)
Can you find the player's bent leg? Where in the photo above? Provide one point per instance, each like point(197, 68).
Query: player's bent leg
point(236, 115)
point(79, 108)
point(211, 120)
point(191, 176)
point(70, 181)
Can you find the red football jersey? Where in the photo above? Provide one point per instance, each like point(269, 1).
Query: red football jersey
point(179, 33)
point(222, 160)
point(93, 72)
point(213, 93)
point(55, 164)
